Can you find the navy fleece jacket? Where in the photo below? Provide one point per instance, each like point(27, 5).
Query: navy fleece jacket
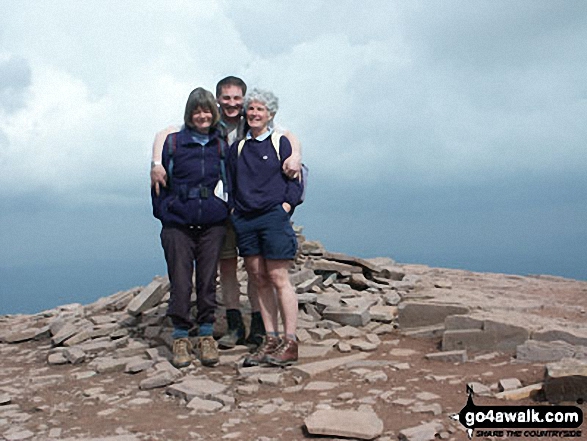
point(258, 183)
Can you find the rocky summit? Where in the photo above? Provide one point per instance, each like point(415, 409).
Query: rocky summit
point(388, 351)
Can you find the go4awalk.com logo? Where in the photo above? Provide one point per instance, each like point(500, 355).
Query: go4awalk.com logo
point(520, 421)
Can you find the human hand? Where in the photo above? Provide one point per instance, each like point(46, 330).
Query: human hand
point(158, 177)
point(292, 166)
point(286, 207)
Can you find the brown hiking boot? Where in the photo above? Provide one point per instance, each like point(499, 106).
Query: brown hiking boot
point(286, 354)
point(206, 350)
point(182, 352)
point(270, 344)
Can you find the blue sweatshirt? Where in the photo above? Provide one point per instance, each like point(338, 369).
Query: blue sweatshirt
point(258, 183)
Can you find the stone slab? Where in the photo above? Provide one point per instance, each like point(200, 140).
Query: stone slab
point(309, 370)
point(346, 423)
point(149, 296)
point(415, 314)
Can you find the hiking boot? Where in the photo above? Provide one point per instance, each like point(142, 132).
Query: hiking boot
point(235, 335)
point(256, 332)
point(182, 352)
point(286, 354)
point(206, 350)
point(269, 344)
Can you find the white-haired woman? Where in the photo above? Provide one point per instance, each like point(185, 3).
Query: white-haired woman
point(263, 199)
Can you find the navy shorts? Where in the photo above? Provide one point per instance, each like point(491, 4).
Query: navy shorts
point(269, 235)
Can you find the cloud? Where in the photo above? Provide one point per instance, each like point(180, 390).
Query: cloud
point(378, 92)
point(15, 78)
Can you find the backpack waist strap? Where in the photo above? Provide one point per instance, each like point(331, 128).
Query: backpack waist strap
point(184, 192)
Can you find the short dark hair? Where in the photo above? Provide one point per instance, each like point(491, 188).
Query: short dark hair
point(201, 98)
point(230, 81)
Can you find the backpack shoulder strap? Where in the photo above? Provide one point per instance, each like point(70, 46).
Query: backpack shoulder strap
point(241, 144)
point(275, 137)
point(222, 154)
point(171, 148)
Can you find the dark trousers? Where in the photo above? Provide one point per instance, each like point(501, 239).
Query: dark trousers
point(183, 246)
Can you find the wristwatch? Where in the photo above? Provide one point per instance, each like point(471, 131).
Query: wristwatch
point(154, 163)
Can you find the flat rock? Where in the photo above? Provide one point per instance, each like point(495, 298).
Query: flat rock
point(521, 393)
point(507, 384)
point(149, 296)
point(321, 385)
point(544, 351)
point(347, 423)
point(348, 315)
point(201, 405)
point(459, 356)
point(416, 314)
point(309, 370)
point(161, 379)
point(196, 387)
point(423, 432)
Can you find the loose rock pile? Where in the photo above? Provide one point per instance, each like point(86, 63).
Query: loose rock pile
point(348, 308)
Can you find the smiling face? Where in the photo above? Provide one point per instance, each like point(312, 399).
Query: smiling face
point(231, 102)
point(202, 119)
point(258, 117)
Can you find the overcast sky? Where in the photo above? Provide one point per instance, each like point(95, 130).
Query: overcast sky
point(447, 133)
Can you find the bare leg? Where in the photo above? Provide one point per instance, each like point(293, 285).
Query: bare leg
point(286, 296)
point(257, 272)
point(253, 296)
point(229, 283)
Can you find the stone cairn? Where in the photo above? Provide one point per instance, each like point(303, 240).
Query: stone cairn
point(345, 304)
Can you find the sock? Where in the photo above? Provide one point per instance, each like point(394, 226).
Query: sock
point(290, 337)
point(206, 329)
point(179, 333)
point(273, 334)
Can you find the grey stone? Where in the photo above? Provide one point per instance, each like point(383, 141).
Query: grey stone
point(362, 345)
point(75, 355)
point(308, 284)
point(273, 379)
point(149, 296)
point(572, 336)
point(161, 379)
point(392, 298)
point(319, 333)
point(384, 314)
point(321, 385)
point(348, 331)
point(458, 321)
point(433, 408)
point(68, 330)
point(449, 356)
point(423, 432)
point(22, 335)
point(416, 314)
point(196, 387)
point(348, 315)
point(479, 388)
point(507, 384)
point(346, 423)
point(202, 405)
point(309, 370)
point(108, 364)
point(544, 351)
point(138, 365)
point(494, 335)
point(329, 266)
point(365, 264)
point(57, 358)
point(301, 276)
